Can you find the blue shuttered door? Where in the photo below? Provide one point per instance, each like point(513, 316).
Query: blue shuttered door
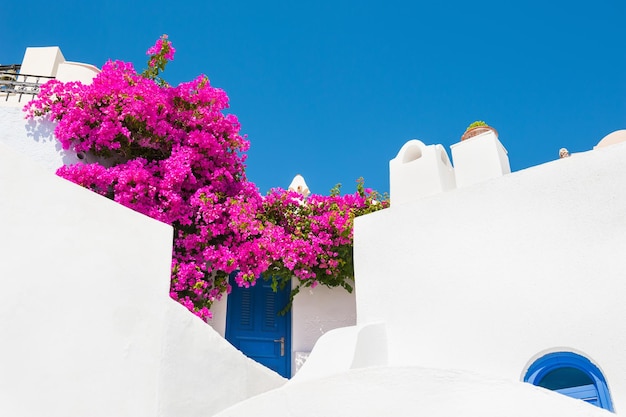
point(587, 393)
point(254, 327)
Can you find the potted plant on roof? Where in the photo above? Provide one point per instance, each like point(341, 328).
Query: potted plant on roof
point(477, 128)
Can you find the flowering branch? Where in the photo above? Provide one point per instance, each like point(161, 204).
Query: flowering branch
point(172, 154)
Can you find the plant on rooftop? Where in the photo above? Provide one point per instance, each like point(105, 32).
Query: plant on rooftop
point(476, 128)
point(477, 123)
point(171, 153)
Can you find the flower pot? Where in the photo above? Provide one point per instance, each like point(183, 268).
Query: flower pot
point(478, 130)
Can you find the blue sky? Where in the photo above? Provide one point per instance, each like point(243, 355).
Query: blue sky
point(333, 89)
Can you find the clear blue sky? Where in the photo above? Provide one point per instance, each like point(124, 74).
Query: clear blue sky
point(333, 89)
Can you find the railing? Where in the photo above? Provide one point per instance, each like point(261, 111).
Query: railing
point(15, 84)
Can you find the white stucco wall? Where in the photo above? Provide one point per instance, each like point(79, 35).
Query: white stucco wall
point(218, 319)
point(76, 71)
point(315, 312)
point(479, 158)
point(35, 139)
point(87, 325)
point(201, 373)
point(418, 171)
point(345, 348)
point(488, 277)
point(80, 316)
point(408, 392)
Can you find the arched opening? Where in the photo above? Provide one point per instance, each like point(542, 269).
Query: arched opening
point(412, 153)
point(572, 375)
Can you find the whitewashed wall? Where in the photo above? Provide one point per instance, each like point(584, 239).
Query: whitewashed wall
point(315, 312)
point(487, 277)
point(35, 139)
point(409, 392)
point(80, 315)
point(76, 71)
point(87, 325)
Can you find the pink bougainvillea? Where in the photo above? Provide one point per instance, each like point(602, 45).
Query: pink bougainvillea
point(171, 153)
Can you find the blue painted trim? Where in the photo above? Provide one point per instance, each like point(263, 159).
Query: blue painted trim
point(542, 366)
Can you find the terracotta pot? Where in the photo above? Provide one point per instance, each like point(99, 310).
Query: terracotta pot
point(475, 131)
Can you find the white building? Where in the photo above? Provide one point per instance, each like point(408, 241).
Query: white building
point(517, 276)
point(474, 281)
point(464, 294)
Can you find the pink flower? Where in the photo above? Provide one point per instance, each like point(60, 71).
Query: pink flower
point(162, 47)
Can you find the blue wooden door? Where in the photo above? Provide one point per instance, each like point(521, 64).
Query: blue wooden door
point(254, 327)
point(587, 393)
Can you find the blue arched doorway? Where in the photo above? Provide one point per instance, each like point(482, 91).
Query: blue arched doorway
point(573, 375)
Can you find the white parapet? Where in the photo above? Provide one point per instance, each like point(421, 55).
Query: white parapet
point(76, 71)
point(344, 348)
point(612, 138)
point(38, 66)
point(418, 171)
point(479, 158)
point(42, 61)
point(299, 185)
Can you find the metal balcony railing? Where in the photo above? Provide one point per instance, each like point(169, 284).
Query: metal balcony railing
point(15, 84)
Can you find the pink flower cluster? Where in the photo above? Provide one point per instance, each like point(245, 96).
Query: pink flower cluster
point(162, 47)
point(172, 154)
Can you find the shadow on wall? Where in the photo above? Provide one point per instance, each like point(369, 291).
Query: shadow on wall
point(41, 132)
